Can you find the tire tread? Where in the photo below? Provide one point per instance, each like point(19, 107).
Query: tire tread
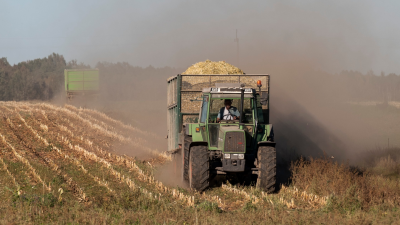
point(199, 157)
point(266, 157)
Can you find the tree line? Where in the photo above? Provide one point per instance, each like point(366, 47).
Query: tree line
point(42, 79)
point(38, 79)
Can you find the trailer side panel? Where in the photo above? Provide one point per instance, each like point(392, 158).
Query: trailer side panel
point(81, 80)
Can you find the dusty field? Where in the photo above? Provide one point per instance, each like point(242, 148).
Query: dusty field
point(73, 165)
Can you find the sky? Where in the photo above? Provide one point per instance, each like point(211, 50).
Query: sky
point(326, 35)
point(288, 39)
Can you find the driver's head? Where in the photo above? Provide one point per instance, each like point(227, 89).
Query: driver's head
point(228, 103)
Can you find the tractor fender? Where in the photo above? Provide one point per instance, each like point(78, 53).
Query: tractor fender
point(197, 143)
point(193, 143)
point(266, 143)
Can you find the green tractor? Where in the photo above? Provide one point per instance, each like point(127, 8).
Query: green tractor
point(229, 134)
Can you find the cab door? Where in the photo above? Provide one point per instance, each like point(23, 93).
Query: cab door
point(203, 116)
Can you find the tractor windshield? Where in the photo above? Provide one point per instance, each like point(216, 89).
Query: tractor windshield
point(218, 110)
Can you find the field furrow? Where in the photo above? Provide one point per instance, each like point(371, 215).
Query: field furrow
point(117, 124)
point(8, 181)
point(43, 152)
point(146, 180)
point(86, 127)
point(64, 155)
point(21, 158)
point(99, 165)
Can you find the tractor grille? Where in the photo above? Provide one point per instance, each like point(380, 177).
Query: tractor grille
point(234, 142)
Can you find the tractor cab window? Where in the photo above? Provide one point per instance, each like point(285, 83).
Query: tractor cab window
point(203, 111)
point(217, 107)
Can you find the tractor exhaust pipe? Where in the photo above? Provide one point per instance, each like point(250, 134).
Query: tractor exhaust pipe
point(241, 103)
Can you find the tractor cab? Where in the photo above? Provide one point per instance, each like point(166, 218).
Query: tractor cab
point(229, 110)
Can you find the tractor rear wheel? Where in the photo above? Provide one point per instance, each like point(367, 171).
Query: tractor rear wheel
point(199, 168)
point(266, 164)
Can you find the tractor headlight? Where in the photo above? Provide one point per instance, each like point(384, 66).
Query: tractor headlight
point(227, 156)
point(241, 156)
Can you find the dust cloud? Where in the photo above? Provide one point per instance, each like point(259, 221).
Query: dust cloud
point(303, 47)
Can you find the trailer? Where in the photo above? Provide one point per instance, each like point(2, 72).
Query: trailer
point(81, 82)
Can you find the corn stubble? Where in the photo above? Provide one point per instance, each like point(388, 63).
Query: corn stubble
point(80, 153)
point(341, 187)
point(87, 178)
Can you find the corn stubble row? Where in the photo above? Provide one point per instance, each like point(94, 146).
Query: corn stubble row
point(25, 161)
point(11, 176)
point(90, 155)
point(21, 158)
point(187, 200)
point(130, 164)
point(74, 186)
point(314, 201)
point(77, 162)
point(135, 143)
point(249, 197)
point(103, 116)
point(74, 161)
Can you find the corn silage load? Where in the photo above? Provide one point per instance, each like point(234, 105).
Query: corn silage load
point(210, 67)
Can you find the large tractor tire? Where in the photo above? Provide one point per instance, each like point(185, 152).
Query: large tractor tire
point(199, 168)
point(185, 158)
point(266, 164)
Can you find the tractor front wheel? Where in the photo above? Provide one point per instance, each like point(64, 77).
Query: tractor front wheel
point(199, 168)
point(266, 164)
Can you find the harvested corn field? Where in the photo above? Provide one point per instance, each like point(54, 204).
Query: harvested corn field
point(62, 164)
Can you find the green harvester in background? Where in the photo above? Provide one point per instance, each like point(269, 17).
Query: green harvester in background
point(81, 82)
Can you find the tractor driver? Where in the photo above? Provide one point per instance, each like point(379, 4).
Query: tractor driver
point(228, 112)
